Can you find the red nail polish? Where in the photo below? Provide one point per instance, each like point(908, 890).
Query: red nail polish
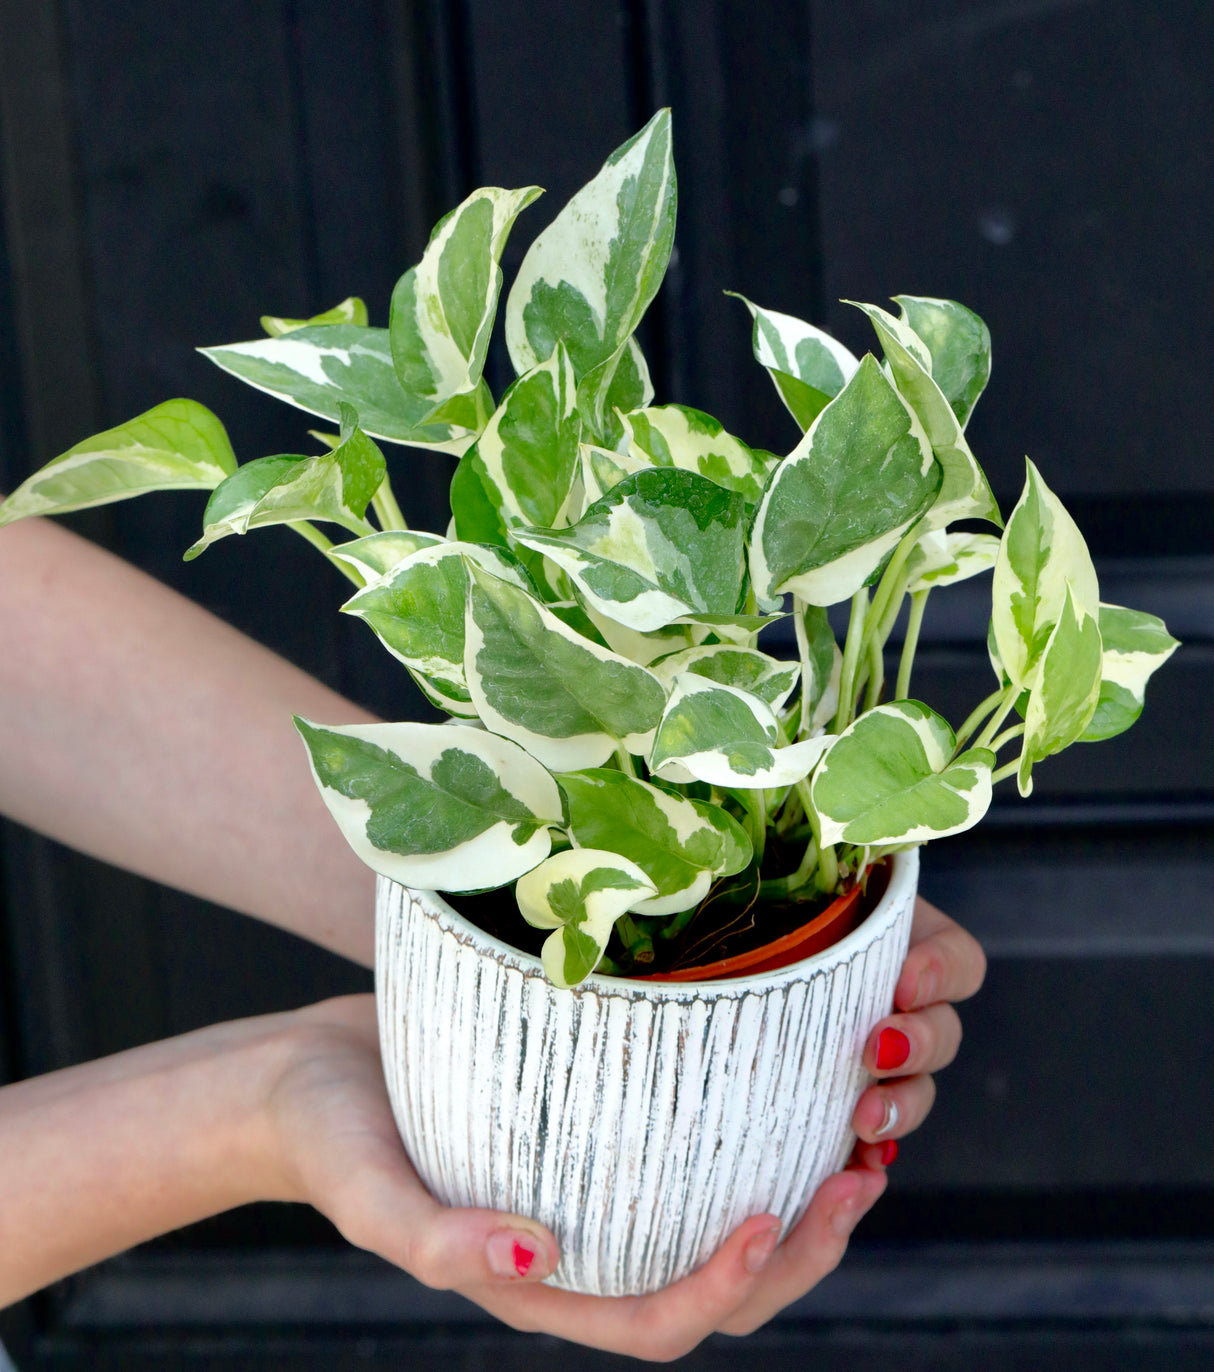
point(893, 1049)
point(523, 1258)
point(889, 1151)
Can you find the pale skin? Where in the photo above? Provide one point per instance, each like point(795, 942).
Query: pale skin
point(115, 695)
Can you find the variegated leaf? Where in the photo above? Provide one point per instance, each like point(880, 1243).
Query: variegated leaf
point(809, 367)
point(746, 668)
point(943, 559)
point(681, 845)
point(349, 311)
point(443, 309)
point(439, 807)
point(1065, 689)
point(319, 368)
point(1041, 551)
point(726, 737)
point(821, 667)
point(841, 501)
point(375, 554)
point(1136, 645)
point(417, 612)
point(601, 470)
point(335, 487)
point(179, 445)
point(888, 779)
point(567, 700)
point(964, 492)
point(619, 383)
point(959, 344)
point(660, 544)
point(643, 648)
point(678, 436)
point(589, 277)
point(579, 894)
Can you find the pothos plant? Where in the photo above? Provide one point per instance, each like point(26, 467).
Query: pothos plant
point(623, 744)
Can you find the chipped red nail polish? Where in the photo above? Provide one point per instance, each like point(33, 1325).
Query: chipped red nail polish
point(523, 1258)
point(893, 1049)
point(889, 1151)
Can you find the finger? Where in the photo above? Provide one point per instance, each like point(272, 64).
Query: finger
point(660, 1327)
point(813, 1249)
point(924, 1041)
point(945, 963)
point(894, 1108)
point(876, 1157)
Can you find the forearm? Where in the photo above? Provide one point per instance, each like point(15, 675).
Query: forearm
point(141, 729)
point(96, 1158)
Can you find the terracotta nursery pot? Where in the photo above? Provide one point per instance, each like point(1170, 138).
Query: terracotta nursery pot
point(642, 1121)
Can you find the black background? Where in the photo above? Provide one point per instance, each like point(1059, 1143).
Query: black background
point(171, 171)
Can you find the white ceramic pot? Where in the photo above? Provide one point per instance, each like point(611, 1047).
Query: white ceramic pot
point(642, 1122)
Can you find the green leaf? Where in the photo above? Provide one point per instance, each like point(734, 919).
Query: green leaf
point(809, 367)
point(841, 501)
point(179, 445)
point(316, 369)
point(747, 669)
point(618, 384)
point(1136, 645)
point(678, 436)
point(579, 894)
point(349, 311)
point(942, 559)
point(660, 544)
point(964, 492)
point(443, 309)
point(888, 779)
point(336, 487)
point(567, 700)
point(436, 806)
point(680, 845)
point(726, 737)
point(959, 345)
point(378, 553)
point(1065, 690)
point(1041, 552)
point(589, 277)
point(602, 469)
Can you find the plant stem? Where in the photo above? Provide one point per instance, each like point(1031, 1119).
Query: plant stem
point(851, 657)
point(993, 724)
point(756, 813)
point(1006, 737)
point(640, 946)
point(307, 530)
point(386, 508)
point(1007, 770)
point(876, 671)
point(979, 714)
point(911, 642)
point(891, 578)
point(624, 758)
point(784, 886)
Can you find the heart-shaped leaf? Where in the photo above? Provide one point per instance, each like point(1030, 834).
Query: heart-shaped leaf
point(678, 436)
point(959, 345)
point(1135, 646)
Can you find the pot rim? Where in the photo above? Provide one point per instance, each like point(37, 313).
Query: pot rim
point(903, 882)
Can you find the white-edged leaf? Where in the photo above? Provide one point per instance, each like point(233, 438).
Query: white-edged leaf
point(335, 487)
point(440, 807)
point(349, 311)
point(959, 344)
point(318, 368)
point(601, 469)
point(660, 544)
point(443, 309)
point(964, 492)
point(374, 554)
point(821, 667)
point(643, 649)
point(579, 894)
point(841, 501)
point(809, 367)
point(748, 669)
point(681, 845)
point(1136, 645)
point(177, 446)
point(1041, 552)
point(532, 678)
point(726, 737)
point(678, 436)
point(590, 275)
point(888, 779)
point(943, 559)
point(1065, 690)
point(619, 383)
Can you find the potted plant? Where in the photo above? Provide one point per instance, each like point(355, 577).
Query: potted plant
point(712, 847)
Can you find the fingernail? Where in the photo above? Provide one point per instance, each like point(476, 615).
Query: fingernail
point(515, 1255)
point(889, 1151)
point(889, 1121)
point(757, 1253)
point(893, 1049)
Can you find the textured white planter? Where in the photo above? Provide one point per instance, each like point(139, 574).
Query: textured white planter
point(641, 1122)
